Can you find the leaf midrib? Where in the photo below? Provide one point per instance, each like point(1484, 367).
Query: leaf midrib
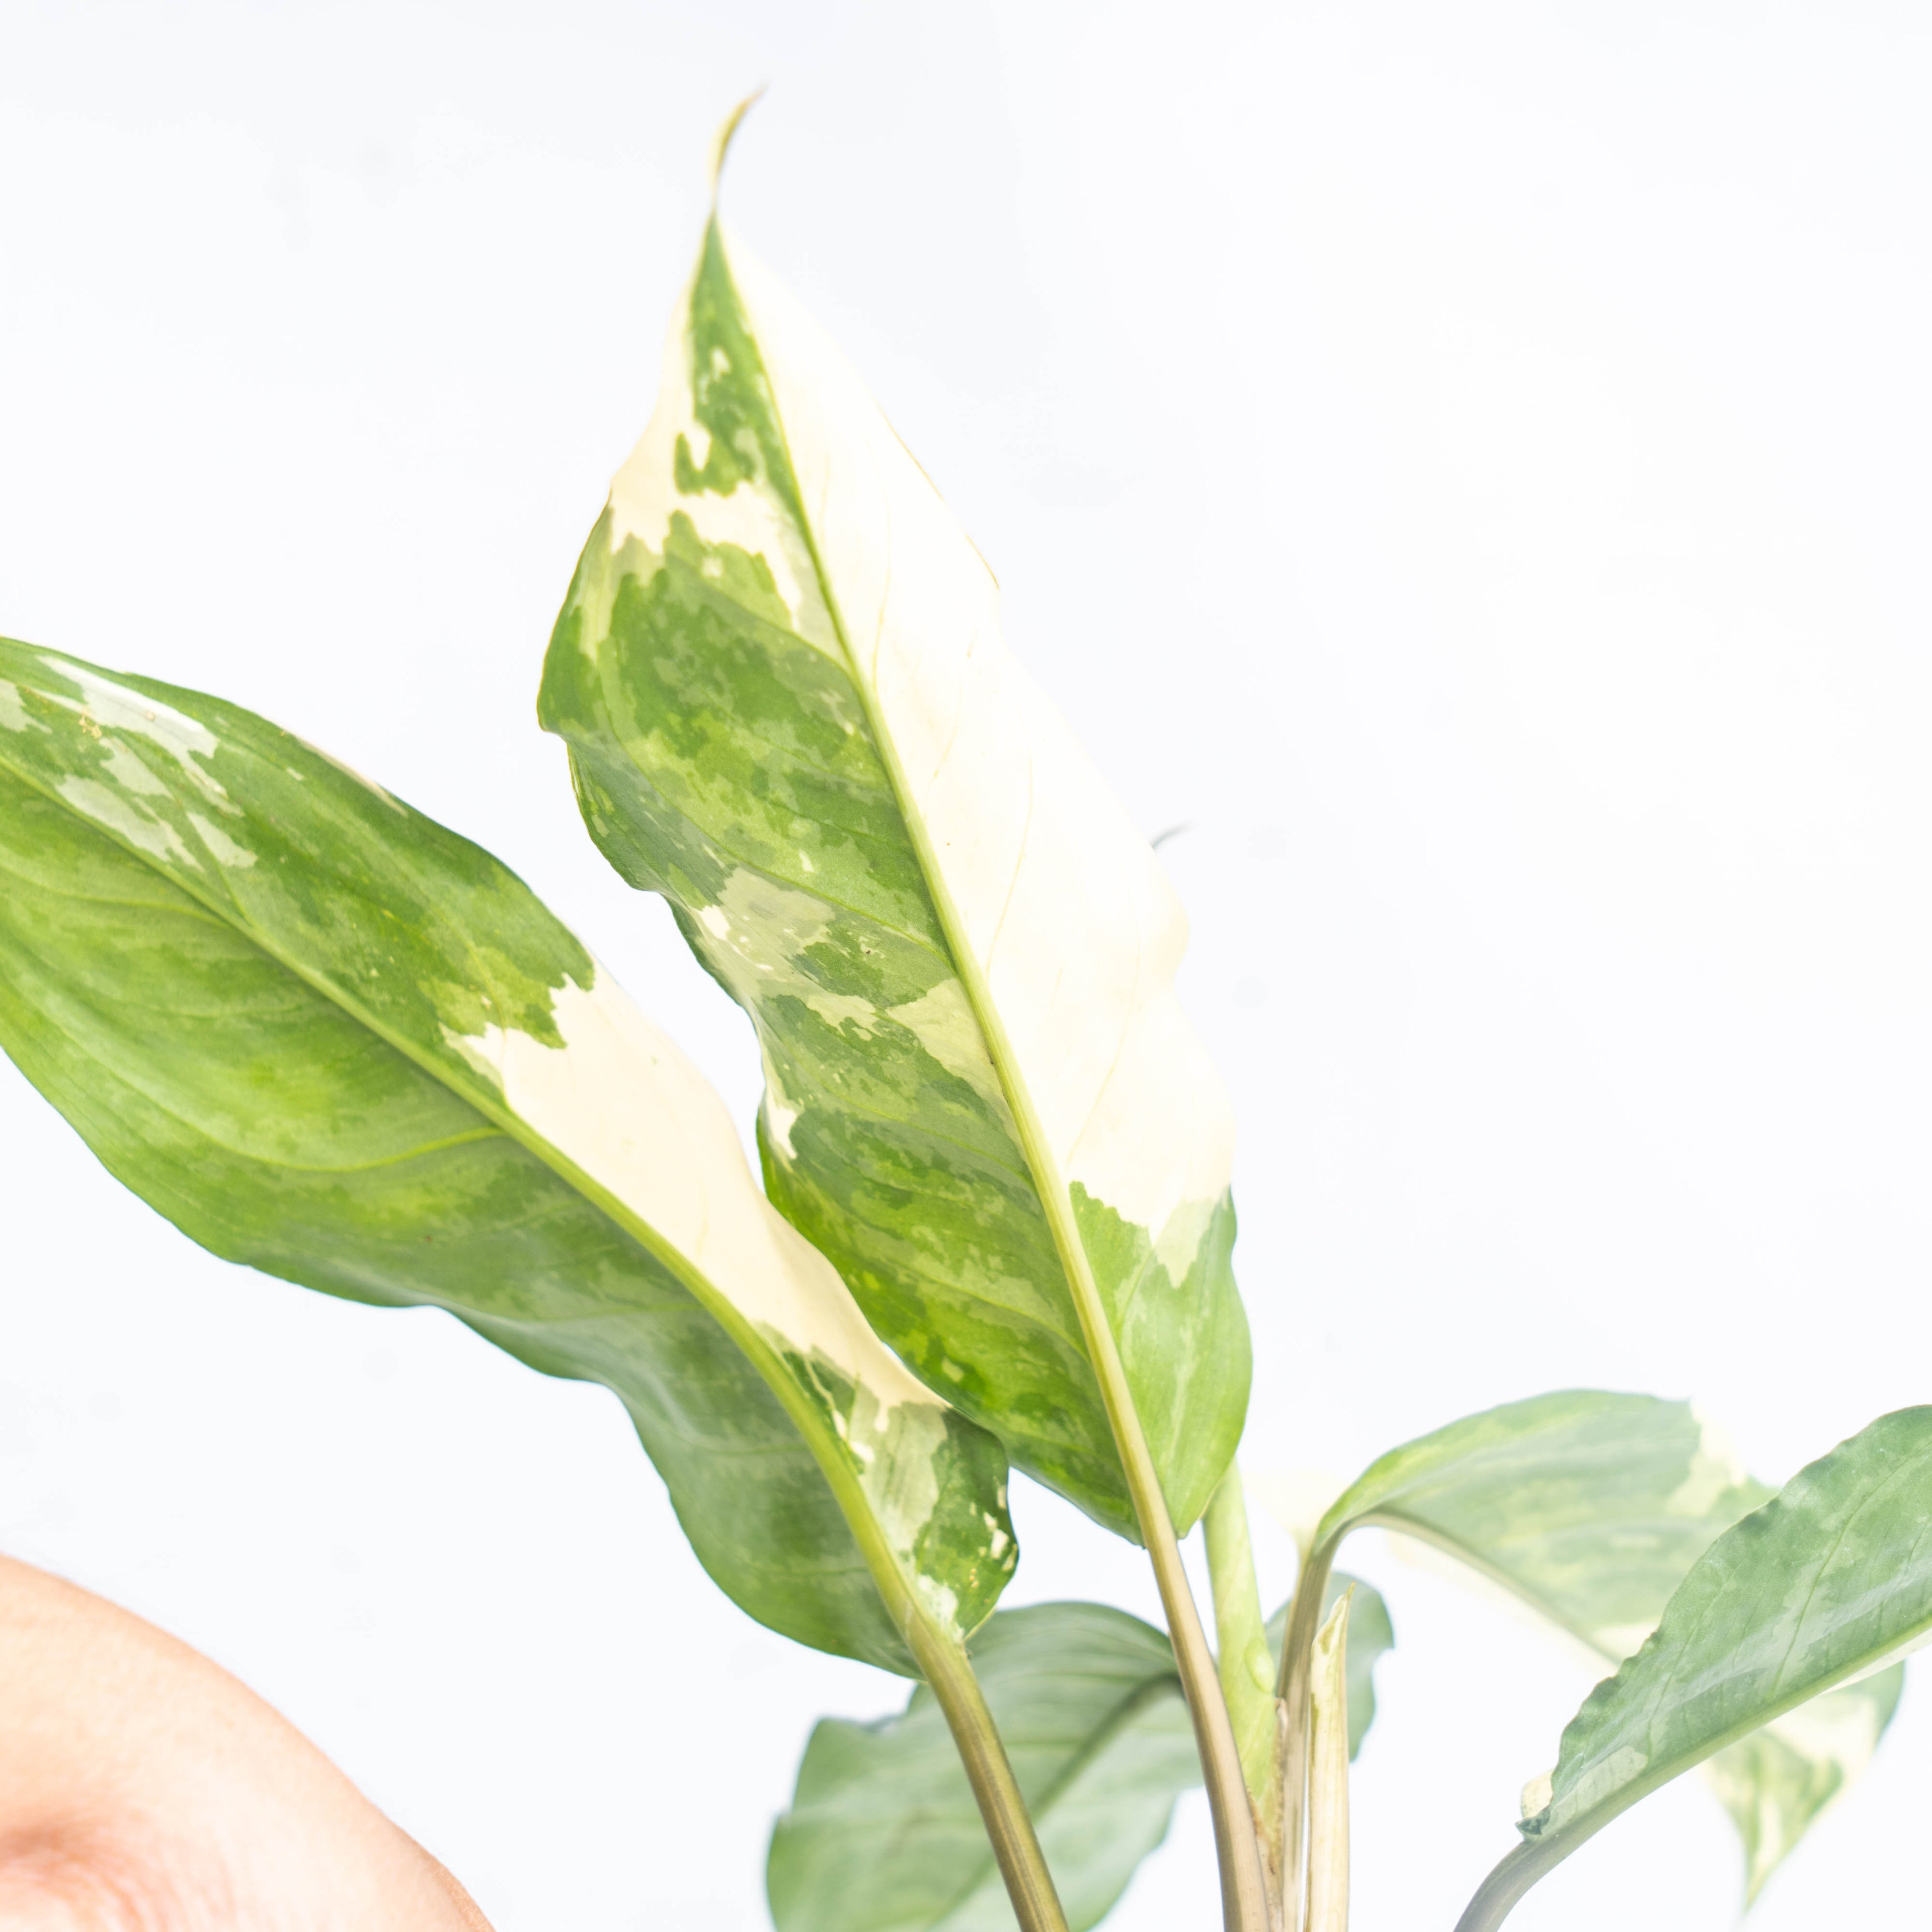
point(1102, 1345)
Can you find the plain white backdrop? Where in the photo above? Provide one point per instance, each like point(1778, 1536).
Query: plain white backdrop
point(1468, 465)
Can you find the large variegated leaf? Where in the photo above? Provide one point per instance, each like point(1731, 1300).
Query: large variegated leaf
point(791, 711)
point(1590, 1507)
point(328, 1038)
point(1828, 1582)
point(883, 1837)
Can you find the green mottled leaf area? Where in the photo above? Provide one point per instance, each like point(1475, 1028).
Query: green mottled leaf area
point(238, 969)
point(1831, 1578)
point(723, 757)
point(1592, 1507)
point(1590, 1504)
point(906, 1170)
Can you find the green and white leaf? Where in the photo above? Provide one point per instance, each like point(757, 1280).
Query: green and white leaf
point(330, 1039)
point(1776, 1782)
point(882, 1835)
point(790, 710)
point(1830, 1582)
point(1590, 1507)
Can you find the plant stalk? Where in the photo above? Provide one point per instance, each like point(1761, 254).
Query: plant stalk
point(1244, 1895)
point(1297, 1649)
point(1244, 1903)
point(1247, 1668)
point(1513, 1875)
point(1023, 1865)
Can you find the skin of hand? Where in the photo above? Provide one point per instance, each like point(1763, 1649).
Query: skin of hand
point(144, 1789)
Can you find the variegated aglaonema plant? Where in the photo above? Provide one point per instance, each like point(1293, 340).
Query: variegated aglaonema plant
point(330, 1039)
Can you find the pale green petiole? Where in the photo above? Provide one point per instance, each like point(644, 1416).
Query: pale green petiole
point(1023, 1865)
point(1246, 1667)
point(1244, 1898)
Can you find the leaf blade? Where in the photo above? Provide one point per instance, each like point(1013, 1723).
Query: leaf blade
point(1830, 1580)
point(1831, 1577)
point(333, 1027)
point(1590, 1507)
point(957, 954)
point(1775, 1783)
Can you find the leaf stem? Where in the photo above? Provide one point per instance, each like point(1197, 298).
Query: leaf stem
point(1244, 1903)
point(1247, 1668)
point(1304, 1621)
point(1015, 1844)
point(1244, 1896)
point(1513, 1875)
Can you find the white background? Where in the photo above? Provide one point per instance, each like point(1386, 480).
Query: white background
point(1467, 463)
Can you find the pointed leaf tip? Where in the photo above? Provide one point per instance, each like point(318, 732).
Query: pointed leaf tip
point(721, 146)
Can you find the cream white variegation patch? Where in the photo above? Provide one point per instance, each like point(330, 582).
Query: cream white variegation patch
point(645, 498)
point(621, 1102)
point(12, 713)
point(110, 807)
